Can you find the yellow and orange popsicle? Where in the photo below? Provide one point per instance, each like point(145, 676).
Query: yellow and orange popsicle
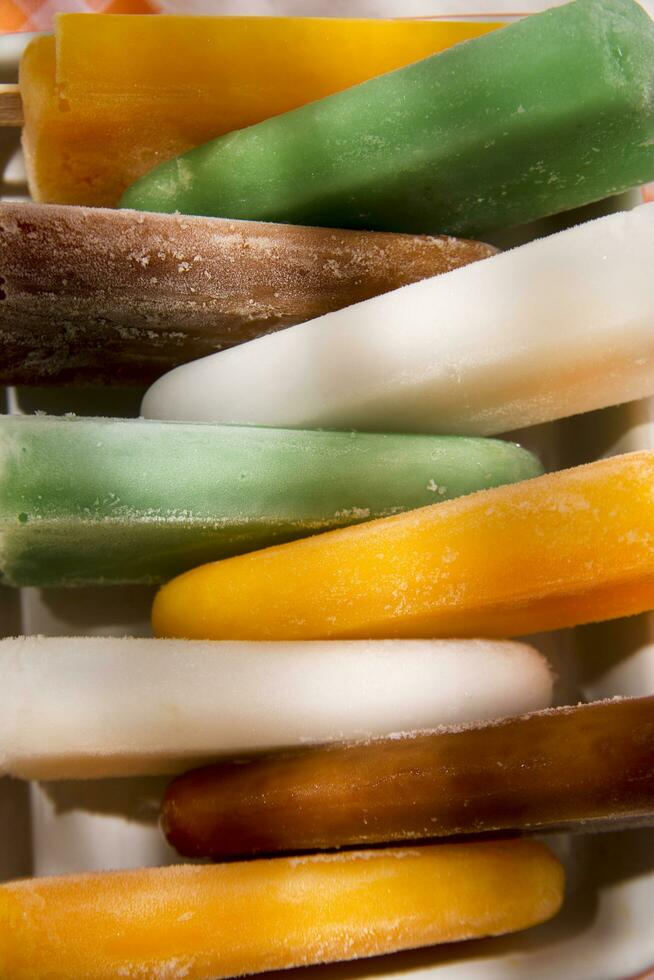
point(205, 923)
point(571, 547)
point(153, 87)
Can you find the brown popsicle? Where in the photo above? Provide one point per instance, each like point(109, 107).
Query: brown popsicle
point(551, 769)
point(98, 296)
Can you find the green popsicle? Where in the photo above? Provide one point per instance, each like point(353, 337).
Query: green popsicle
point(85, 501)
point(547, 114)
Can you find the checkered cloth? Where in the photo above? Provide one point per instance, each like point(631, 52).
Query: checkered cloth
point(37, 15)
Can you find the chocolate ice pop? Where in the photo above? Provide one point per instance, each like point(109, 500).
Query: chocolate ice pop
point(94, 296)
point(562, 767)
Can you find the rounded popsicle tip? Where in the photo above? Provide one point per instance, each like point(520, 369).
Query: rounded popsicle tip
point(169, 617)
point(161, 400)
point(156, 191)
point(525, 465)
point(537, 870)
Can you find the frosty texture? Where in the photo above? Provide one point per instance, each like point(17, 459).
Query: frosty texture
point(206, 923)
point(571, 547)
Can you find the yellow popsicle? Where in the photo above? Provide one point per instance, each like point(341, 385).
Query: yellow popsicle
point(202, 922)
point(562, 549)
point(112, 96)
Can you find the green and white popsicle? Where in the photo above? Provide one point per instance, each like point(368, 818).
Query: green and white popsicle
point(93, 501)
point(549, 113)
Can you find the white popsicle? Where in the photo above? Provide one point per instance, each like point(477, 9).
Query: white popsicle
point(560, 326)
point(100, 706)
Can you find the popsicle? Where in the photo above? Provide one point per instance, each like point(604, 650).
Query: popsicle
point(571, 547)
point(98, 296)
point(563, 767)
point(556, 327)
point(549, 113)
point(180, 81)
point(205, 923)
point(113, 500)
point(89, 707)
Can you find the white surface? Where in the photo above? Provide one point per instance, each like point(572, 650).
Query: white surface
point(555, 327)
point(605, 929)
point(75, 707)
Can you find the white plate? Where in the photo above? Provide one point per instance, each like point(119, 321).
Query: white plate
point(604, 931)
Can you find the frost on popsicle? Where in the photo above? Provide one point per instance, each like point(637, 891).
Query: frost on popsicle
point(544, 115)
point(207, 923)
point(87, 501)
point(98, 296)
point(559, 326)
point(574, 768)
point(181, 80)
point(539, 555)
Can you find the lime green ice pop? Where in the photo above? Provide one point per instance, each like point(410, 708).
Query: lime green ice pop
point(549, 113)
point(93, 501)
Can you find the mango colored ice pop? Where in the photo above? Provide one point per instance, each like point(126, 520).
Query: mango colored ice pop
point(152, 87)
point(100, 501)
point(90, 707)
point(206, 923)
point(549, 113)
point(100, 296)
point(559, 326)
point(574, 768)
point(566, 548)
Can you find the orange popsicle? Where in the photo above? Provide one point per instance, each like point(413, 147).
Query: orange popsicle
point(179, 81)
point(566, 548)
point(213, 922)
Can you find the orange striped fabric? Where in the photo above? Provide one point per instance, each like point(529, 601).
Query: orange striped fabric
point(37, 15)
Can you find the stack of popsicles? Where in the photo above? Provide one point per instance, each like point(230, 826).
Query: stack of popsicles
point(345, 554)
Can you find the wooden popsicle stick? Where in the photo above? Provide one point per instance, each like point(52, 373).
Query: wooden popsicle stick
point(11, 106)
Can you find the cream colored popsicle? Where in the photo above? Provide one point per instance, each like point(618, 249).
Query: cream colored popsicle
point(571, 547)
point(556, 327)
point(88, 707)
point(99, 296)
point(206, 923)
